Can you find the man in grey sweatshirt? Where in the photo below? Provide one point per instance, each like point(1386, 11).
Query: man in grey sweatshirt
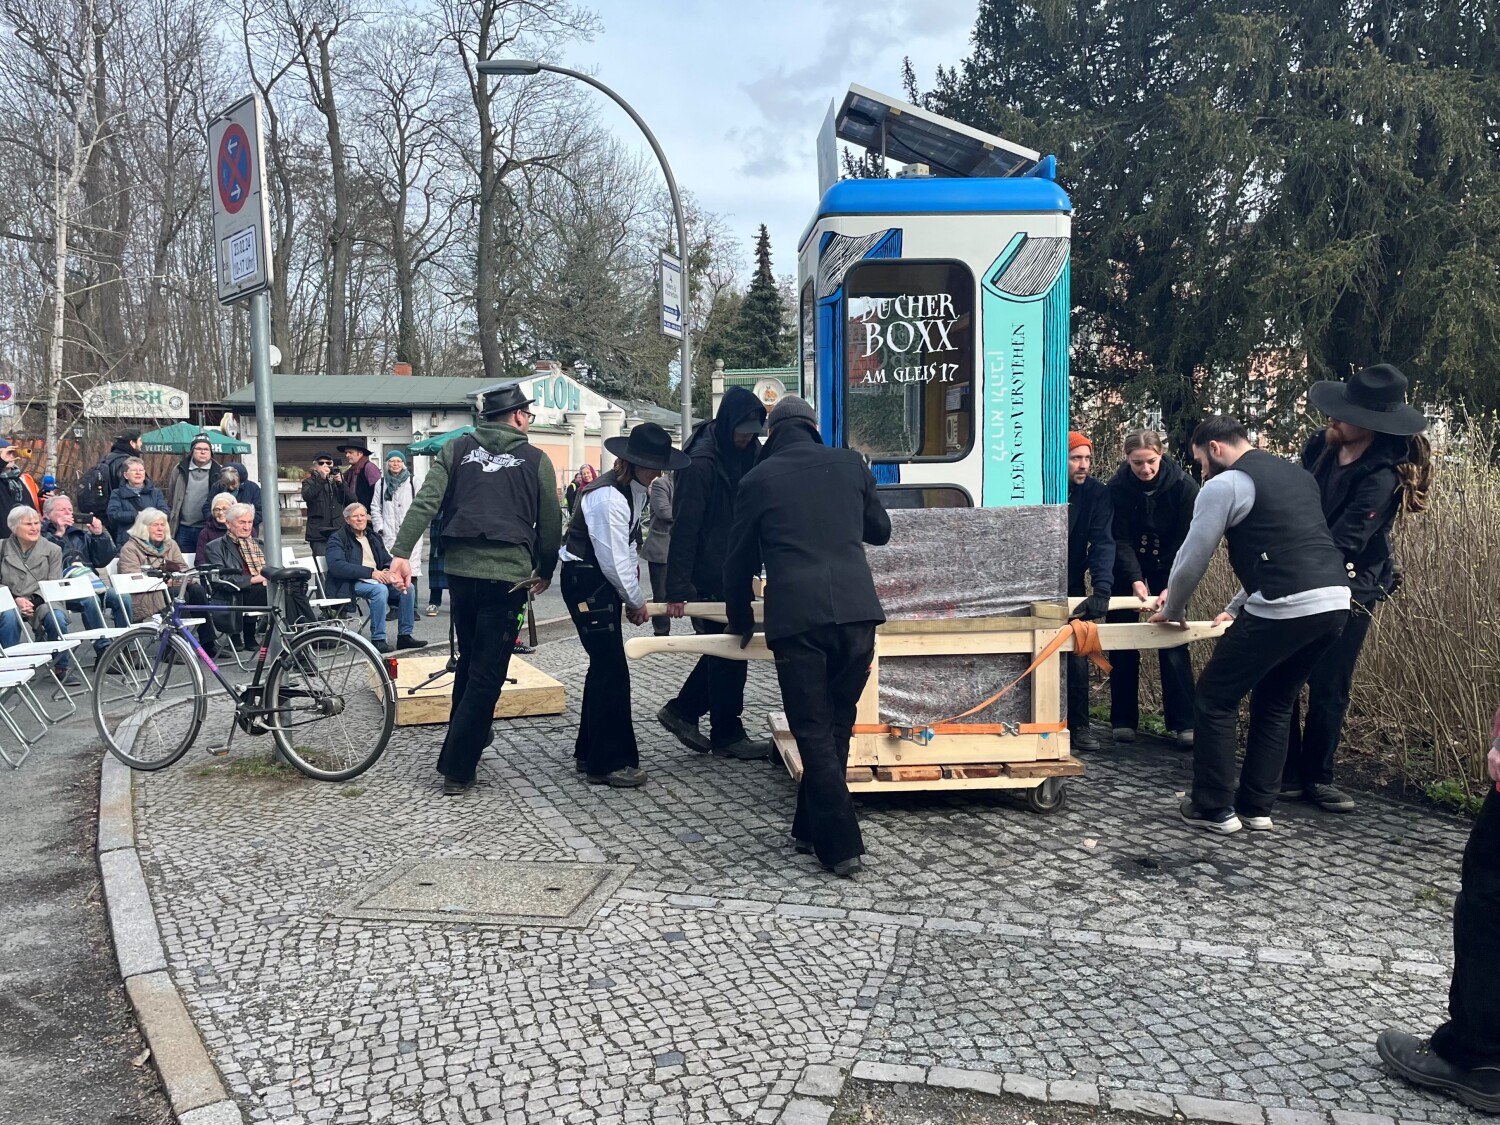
point(1293, 601)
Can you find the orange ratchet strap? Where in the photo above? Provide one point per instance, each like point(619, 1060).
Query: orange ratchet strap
point(1085, 637)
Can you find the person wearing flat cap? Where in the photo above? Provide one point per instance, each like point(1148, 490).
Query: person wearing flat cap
point(1371, 464)
point(722, 450)
point(805, 512)
point(497, 495)
point(600, 579)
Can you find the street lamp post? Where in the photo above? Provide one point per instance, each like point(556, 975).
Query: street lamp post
point(531, 66)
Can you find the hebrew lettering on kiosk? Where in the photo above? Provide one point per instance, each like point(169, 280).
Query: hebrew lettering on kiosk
point(909, 358)
point(1026, 373)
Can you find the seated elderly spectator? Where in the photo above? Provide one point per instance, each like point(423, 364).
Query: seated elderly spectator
point(359, 566)
point(26, 561)
point(239, 557)
point(135, 494)
point(85, 550)
point(213, 527)
point(149, 546)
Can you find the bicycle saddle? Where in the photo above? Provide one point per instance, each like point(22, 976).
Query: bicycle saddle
point(289, 575)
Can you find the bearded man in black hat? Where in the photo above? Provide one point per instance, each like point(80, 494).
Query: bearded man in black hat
point(1371, 464)
point(600, 579)
point(362, 474)
point(497, 494)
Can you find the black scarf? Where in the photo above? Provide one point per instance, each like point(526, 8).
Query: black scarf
point(1142, 495)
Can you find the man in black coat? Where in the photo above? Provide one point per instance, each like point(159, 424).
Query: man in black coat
point(1091, 551)
point(323, 496)
point(1356, 464)
point(805, 511)
point(722, 452)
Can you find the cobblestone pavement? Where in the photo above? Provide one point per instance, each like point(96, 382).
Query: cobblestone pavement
point(1107, 942)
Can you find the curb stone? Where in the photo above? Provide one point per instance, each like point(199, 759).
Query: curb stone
point(810, 1110)
point(187, 1072)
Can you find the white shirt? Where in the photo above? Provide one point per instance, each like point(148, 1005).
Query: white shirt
point(611, 522)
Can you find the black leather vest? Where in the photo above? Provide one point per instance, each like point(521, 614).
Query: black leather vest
point(578, 541)
point(1283, 546)
point(492, 496)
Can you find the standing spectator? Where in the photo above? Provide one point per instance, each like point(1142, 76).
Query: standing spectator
point(1371, 464)
point(600, 581)
point(1462, 1058)
point(218, 508)
point(135, 494)
point(99, 483)
point(1091, 552)
point(581, 480)
point(26, 561)
point(1153, 508)
point(359, 566)
point(722, 451)
point(323, 494)
point(361, 475)
point(85, 550)
point(189, 489)
point(821, 622)
point(501, 524)
point(17, 489)
point(235, 480)
point(437, 574)
point(393, 498)
point(656, 547)
point(1294, 599)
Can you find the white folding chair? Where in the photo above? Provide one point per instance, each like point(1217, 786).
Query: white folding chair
point(189, 557)
point(321, 601)
point(33, 647)
point(288, 556)
point(16, 675)
point(64, 590)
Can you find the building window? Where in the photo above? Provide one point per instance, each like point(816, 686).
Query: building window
point(909, 360)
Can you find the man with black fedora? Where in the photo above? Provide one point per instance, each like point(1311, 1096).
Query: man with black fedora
point(361, 474)
point(600, 579)
point(497, 494)
point(806, 511)
point(1371, 463)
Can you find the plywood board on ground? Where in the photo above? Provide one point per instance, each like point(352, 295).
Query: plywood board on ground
point(533, 693)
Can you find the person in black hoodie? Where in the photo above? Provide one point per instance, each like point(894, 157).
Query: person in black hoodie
point(722, 451)
point(807, 511)
point(1371, 463)
point(1091, 551)
point(1153, 501)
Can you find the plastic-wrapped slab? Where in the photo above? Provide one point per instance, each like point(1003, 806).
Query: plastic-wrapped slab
point(958, 563)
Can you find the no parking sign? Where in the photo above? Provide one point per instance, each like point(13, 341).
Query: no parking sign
point(241, 208)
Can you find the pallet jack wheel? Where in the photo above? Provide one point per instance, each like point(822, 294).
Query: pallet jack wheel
point(1047, 797)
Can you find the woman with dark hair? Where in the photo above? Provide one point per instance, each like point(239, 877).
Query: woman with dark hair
point(1371, 464)
point(1153, 502)
point(600, 579)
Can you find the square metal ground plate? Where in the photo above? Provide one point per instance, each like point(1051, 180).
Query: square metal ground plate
point(488, 892)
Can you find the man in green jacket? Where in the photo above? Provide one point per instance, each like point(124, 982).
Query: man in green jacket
point(497, 494)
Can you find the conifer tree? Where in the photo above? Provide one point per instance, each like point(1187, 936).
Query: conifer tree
point(760, 336)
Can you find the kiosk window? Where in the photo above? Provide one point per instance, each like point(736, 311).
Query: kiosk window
point(909, 360)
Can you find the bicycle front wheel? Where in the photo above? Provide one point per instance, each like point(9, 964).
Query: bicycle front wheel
point(334, 704)
point(149, 699)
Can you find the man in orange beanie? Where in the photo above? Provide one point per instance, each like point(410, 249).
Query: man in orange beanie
point(1091, 549)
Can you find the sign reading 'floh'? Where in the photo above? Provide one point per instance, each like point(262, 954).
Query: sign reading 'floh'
point(135, 400)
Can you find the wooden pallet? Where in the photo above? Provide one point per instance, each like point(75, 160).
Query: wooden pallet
point(533, 693)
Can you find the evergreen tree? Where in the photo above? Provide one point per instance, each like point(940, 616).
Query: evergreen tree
point(759, 336)
point(1260, 186)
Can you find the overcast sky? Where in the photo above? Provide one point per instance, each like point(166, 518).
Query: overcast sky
point(735, 90)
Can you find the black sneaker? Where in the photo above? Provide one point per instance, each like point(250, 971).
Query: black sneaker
point(1329, 799)
point(626, 777)
point(406, 640)
point(1222, 821)
point(685, 730)
point(383, 647)
point(744, 750)
point(1085, 739)
point(1290, 793)
point(1414, 1060)
point(846, 868)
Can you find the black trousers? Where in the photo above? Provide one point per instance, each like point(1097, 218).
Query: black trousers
point(661, 625)
point(822, 672)
point(485, 623)
point(1471, 1037)
point(1311, 747)
point(606, 732)
point(1176, 666)
point(715, 688)
point(1270, 660)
